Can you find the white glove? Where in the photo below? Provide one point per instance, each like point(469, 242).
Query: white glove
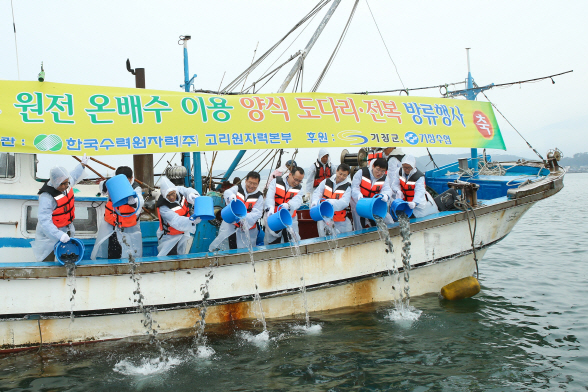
point(231, 198)
point(131, 200)
point(196, 221)
point(411, 205)
point(384, 198)
point(270, 212)
point(286, 206)
point(192, 197)
point(313, 204)
point(399, 195)
point(85, 160)
point(359, 197)
point(64, 238)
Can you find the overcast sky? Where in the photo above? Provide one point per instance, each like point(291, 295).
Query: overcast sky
point(83, 42)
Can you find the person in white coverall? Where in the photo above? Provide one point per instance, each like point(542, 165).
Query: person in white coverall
point(284, 191)
point(175, 225)
point(320, 170)
point(230, 235)
point(56, 210)
point(118, 236)
point(279, 172)
point(369, 182)
point(409, 184)
point(337, 191)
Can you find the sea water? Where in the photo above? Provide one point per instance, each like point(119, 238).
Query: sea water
point(526, 330)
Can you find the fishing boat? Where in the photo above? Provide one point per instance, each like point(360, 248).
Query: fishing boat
point(44, 304)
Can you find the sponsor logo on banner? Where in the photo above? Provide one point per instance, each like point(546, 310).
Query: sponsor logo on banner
point(411, 138)
point(352, 136)
point(48, 143)
point(483, 124)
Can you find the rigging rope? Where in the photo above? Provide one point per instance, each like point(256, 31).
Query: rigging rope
point(336, 50)
point(15, 44)
point(239, 78)
point(384, 42)
point(513, 127)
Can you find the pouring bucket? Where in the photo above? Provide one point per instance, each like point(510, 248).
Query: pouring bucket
point(323, 210)
point(234, 211)
point(279, 220)
point(399, 205)
point(119, 190)
point(204, 208)
point(73, 246)
point(371, 207)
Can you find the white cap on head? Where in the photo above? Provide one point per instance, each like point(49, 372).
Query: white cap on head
point(410, 160)
point(57, 175)
point(397, 151)
point(166, 187)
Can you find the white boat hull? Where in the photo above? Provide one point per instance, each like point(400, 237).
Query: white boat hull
point(355, 273)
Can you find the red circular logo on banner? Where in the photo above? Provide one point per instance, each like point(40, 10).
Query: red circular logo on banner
point(483, 124)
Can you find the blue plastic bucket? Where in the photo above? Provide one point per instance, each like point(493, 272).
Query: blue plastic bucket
point(399, 205)
point(73, 246)
point(323, 210)
point(204, 207)
point(119, 190)
point(279, 220)
point(371, 207)
point(234, 211)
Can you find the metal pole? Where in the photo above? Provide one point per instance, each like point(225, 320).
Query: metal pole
point(186, 155)
point(471, 96)
point(231, 168)
point(309, 46)
point(142, 163)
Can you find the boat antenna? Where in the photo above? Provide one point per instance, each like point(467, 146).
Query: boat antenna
point(298, 64)
point(15, 43)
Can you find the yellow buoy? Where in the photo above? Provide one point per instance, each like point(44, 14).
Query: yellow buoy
point(460, 289)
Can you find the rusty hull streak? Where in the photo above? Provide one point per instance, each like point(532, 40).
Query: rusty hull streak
point(540, 191)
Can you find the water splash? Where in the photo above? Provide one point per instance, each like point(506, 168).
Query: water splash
point(405, 234)
point(295, 248)
point(245, 235)
point(331, 234)
point(314, 329)
point(260, 340)
point(147, 366)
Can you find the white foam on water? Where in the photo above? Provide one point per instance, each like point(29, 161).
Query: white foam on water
point(147, 366)
point(409, 313)
point(260, 340)
point(313, 329)
point(204, 352)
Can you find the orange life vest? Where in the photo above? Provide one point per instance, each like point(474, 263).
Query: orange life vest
point(366, 187)
point(65, 212)
point(114, 219)
point(181, 208)
point(407, 186)
point(282, 196)
point(321, 172)
point(338, 193)
point(249, 202)
point(375, 154)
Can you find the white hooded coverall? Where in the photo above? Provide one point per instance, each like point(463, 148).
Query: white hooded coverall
point(133, 240)
point(294, 203)
point(356, 195)
point(47, 234)
point(338, 204)
point(227, 229)
point(311, 171)
point(180, 223)
point(425, 204)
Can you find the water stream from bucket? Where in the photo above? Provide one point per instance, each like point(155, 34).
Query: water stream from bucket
point(199, 339)
point(70, 268)
point(295, 248)
point(247, 239)
point(331, 234)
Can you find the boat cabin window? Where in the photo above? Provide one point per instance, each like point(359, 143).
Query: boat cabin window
point(86, 221)
point(6, 165)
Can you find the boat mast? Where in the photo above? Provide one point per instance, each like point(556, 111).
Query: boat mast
point(471, 96)
point(186, 155)
point(309, 46)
